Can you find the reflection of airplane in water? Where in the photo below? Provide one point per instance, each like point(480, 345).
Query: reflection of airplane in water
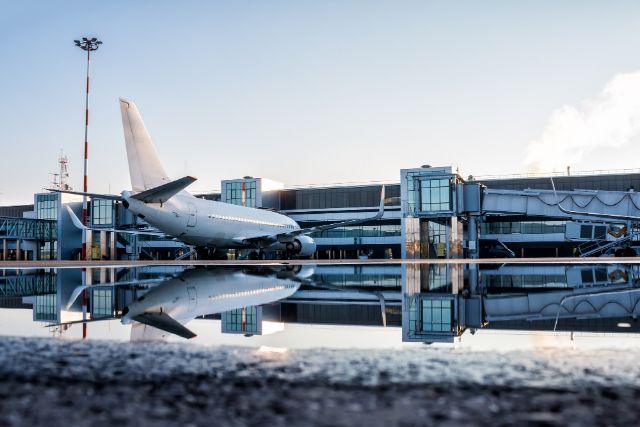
point(438, 302)
point(168, 306)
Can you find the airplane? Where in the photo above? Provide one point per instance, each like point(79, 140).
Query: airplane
point(208, 225)
point(167, 307)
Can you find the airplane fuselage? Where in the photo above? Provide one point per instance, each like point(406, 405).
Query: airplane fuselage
point(200, 292)
point(208, 223)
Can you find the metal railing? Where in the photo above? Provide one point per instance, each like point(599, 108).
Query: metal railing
point(28, 228)
point(596, 247)
point(28, 285)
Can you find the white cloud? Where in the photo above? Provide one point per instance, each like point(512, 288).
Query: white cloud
point(609, 120)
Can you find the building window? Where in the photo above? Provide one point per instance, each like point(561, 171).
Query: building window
point(437, 315)
point(435, 195)
point(242, 193)
point(437, 240)
point(241, 320)
point(47, 206)
point(526, 227)
point(48, 250)
point(381, 230)
point(46, 307)
point(101, 212)
point(412, 190)
point(101, 303)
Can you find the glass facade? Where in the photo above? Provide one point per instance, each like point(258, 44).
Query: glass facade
point(381, 230)
point(412, 192)
point(430, 315)
point(439, 278)
point(437, 239)
point(525, 227)
point(526, 281)
point(435, 195)
point(338, 197)
point(101, 303)
point(437, 315)
point(241, 193)
point(48, 250)
point(47, 206)
point(46, 307)
point(101, 212)
point(241, 320)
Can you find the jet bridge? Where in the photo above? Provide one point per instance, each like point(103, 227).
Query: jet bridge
point(593, 235)
point(544, 203)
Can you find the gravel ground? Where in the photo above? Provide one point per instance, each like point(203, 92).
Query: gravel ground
point(57, 382)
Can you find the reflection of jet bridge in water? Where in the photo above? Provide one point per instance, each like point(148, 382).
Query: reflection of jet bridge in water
point(439, 307)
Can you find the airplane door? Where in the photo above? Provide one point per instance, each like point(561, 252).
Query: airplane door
point(193, 216)
point(193, 297)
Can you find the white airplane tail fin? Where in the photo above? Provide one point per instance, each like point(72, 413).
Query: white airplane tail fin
point(145, 168)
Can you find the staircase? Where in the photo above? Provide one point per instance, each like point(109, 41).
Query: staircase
point(597, 247)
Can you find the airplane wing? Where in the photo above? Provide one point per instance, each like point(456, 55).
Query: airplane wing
point(287, 236)
point(594, 214)
point(76, 221)
point(78, 290)
point(80, 193)
point(161, 321)
point(164, 322)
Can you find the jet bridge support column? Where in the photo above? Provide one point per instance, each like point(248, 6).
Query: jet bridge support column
point(4, 249)
point(89, 244)
point(472, 237)
point(112, 245)
point(18, 257)
point(103, 244)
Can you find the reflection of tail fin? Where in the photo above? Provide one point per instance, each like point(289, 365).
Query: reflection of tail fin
point(145, 168)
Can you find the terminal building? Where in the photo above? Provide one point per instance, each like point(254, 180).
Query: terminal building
point(432, 212)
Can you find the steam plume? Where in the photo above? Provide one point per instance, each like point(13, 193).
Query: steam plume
point(611, 119)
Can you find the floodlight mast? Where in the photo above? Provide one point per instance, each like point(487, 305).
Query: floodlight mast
point(88, 45)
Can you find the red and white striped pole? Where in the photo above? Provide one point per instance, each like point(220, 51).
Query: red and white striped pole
point(85, 186)
point(87, 44)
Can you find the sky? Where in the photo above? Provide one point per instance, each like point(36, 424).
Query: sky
point(320, 92)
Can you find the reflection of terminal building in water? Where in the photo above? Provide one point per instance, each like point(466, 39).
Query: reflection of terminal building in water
point(432, 212)
point(241, 298)
point(432, 303)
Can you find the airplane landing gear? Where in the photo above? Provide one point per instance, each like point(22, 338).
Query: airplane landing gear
point(257, 255)
point(205, 253)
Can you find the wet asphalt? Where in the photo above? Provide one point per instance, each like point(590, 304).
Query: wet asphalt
point(58, 382)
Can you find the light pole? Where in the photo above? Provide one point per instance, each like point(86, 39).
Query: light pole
point(88, 45)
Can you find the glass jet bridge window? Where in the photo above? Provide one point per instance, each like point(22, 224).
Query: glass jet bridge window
point(101, 304)
point(101, 212)
point(436, 315)
point(435, 195)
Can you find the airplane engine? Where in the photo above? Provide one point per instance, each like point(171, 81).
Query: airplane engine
point(302, 246)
